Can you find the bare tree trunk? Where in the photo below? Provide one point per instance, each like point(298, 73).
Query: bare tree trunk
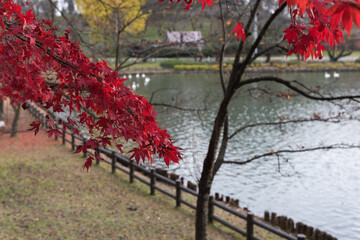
point(1, 108)
point(15, 122)
point(207, 171)
point(268, 57)
point(221, 118)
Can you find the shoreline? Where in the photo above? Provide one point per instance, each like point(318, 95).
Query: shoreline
point(156, 71)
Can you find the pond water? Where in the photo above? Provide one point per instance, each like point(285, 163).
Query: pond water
point(320, 188)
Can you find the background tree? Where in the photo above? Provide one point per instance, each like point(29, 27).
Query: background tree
point(14, 124)
point(110, 19)
point(336, 53)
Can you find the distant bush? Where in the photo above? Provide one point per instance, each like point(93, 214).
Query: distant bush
point(352, 64)
point(203, 67)
point(173, 62)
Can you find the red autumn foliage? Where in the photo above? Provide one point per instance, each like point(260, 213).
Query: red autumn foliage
point(29, 48)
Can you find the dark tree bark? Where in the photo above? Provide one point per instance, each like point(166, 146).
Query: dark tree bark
point(1, 108)
point(268, 57)
point(15, 122)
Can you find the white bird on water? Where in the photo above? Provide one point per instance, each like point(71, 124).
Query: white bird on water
point(327, 75)
point(133, 86)
point(147, 80)
point(336, 75)
point(143, 75)
point(129, 76)
point(137, 75)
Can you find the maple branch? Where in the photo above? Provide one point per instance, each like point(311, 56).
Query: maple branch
point(37, 43)
point(292, 87)
point(56, 58)
point(280, 152)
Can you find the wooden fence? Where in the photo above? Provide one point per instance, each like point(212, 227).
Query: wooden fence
point(129, 167)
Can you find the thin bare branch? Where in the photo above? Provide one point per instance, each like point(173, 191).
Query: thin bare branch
point(246, 29)
point(280, 152)
point(292, 87)
point(177, 107)
point(284, 122)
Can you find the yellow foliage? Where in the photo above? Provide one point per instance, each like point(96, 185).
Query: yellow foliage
point(102, 15)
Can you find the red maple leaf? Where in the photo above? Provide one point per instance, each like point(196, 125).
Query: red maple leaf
point(206, 2)
point(54, 132)
point(87, 163)
point(189, 3)
point(239, 30)
point(35, 125)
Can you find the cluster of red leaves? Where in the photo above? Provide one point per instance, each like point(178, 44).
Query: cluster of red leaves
point(307, 33)
point(29, 48)
point(318, 22)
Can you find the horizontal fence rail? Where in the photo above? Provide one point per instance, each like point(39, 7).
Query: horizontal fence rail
point(151, 176)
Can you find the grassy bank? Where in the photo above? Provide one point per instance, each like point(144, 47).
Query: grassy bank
point(46, 195)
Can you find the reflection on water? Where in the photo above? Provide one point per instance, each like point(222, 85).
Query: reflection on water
point(319, 188)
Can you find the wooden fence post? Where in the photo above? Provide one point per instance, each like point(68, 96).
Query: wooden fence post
point(113, 162)
point(56, 128)
point(72, 140)
point(42, 120)
point(131, 173)
point(152, 182)
point(301, 237)
point(178, 193)
point(211, 209)
point(98, 153)
point(84, 143)
point(249, 226)
point(46, 122)
point(63, 136)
